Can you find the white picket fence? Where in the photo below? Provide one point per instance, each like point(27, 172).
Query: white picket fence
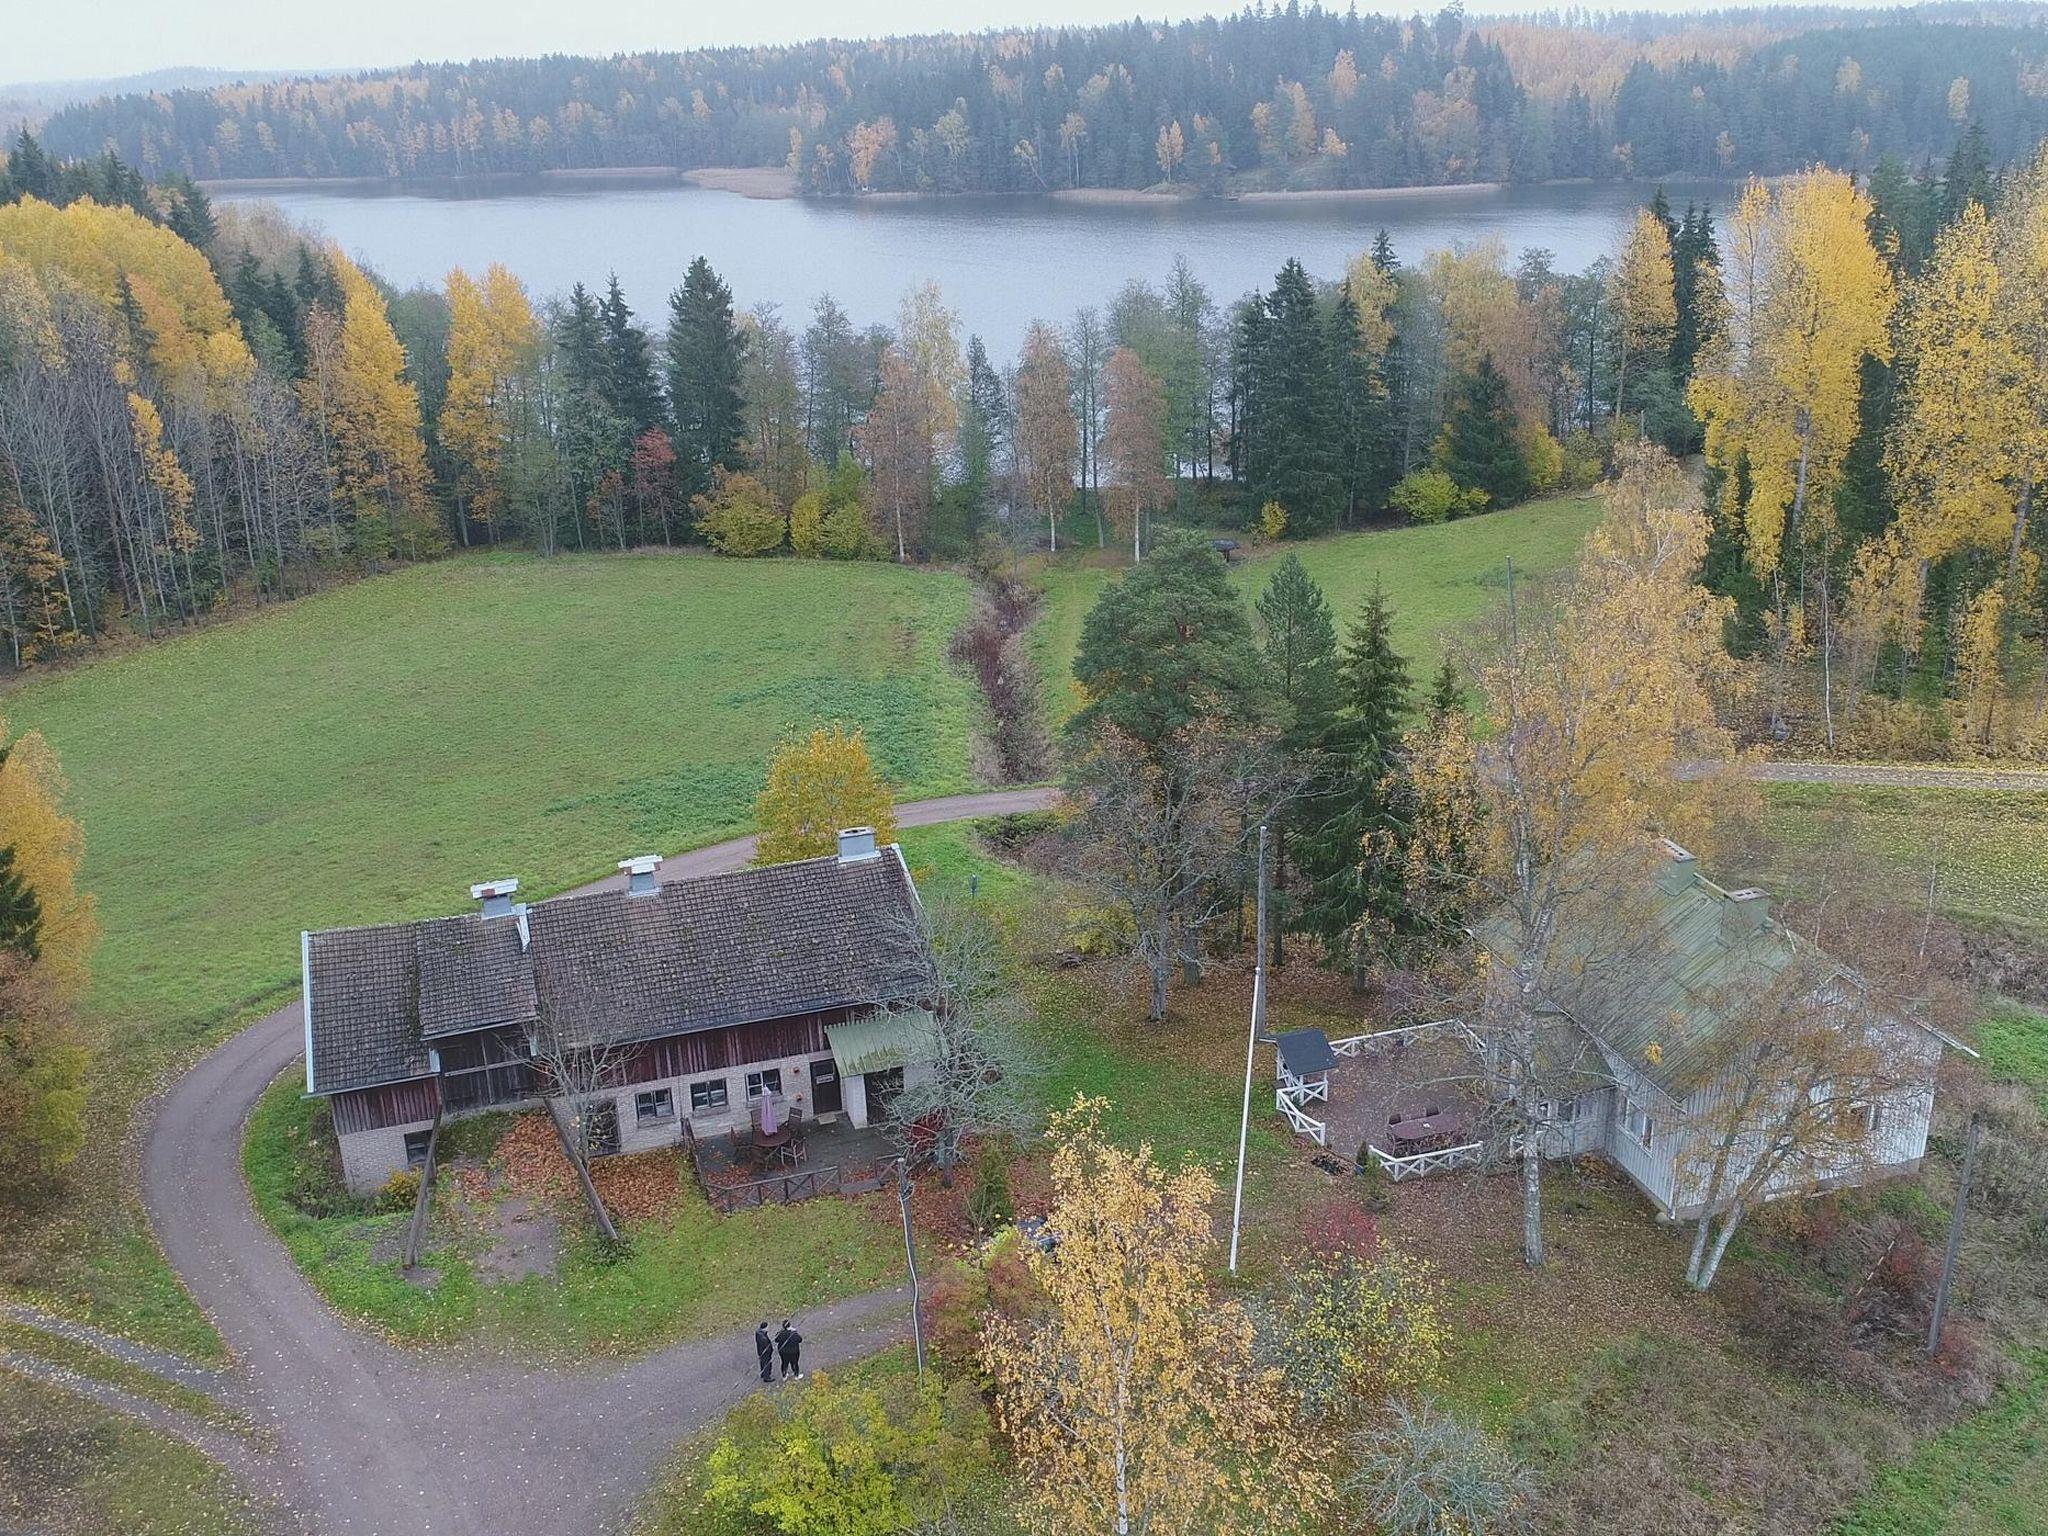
point(1294, 1093)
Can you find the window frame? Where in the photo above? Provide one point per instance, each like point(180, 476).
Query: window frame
point(1631, 1112)
point(425, 1139)
point(663, 1097)
point(764, 1082)
point(716, 1093)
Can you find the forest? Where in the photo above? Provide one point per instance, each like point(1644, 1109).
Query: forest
point(1282, 98)
point(200, 409)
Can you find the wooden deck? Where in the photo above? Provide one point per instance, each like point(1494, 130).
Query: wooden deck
point(840, 1158)
point(1380, 1075)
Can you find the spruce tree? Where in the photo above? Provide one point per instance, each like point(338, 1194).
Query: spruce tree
point(21, 913)
point(1347, 848)
point(630, 386)
point(704, 378)
point(1479, 448)
point(1300, 637)
point(1292, 456)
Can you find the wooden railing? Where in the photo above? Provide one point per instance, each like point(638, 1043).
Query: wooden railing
point(1293, 1093)
point(778, 1189)
point(1417, 1164)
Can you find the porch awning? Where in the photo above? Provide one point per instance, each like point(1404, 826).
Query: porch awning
point(882, 1040)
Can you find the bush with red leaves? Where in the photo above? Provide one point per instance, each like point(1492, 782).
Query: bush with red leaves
point(1338, 1228)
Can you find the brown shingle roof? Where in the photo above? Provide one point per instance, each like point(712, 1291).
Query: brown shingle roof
point(693, 955)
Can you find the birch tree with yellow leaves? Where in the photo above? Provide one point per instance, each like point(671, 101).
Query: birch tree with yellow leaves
point(1645, 300)
point(370, 414)
point(1807, 299)
point(1134, 1404)
point(47, 930)
point(1595, 703)
point(493, 345)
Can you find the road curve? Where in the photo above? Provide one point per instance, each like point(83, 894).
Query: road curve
point(373, 1438)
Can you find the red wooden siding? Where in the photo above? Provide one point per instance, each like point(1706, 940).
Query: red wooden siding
point(372, 1109)
point(711, 1050)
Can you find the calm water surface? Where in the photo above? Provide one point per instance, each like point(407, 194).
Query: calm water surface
point(1002, 262)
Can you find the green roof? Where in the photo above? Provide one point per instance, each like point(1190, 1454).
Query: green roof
point(1664, 971)
point(882, 1040)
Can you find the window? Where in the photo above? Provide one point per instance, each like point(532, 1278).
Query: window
point(759, 1083)
point(653, 1105)
point(1637, 1122)
point(707, 1095)
point(416, 1148)
point(1859, 1119)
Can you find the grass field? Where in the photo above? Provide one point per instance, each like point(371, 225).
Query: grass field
point(1987, 844)
point(369, 753)
point(69, 1466)
point(1438, 579)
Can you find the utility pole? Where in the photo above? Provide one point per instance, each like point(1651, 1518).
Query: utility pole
point(1251, 1046)
point(1955, 1234)
point(903, 1191)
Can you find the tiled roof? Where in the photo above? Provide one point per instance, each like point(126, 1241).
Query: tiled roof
point(610, 967)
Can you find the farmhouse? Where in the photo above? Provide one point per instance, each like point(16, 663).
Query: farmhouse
point(709, 995)
point(1649, 1023)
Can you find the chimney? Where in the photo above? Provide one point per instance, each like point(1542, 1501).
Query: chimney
point(639, 871)
point(857, 845)
point(1748, 911)
point(1675, 874)
point(496, 895)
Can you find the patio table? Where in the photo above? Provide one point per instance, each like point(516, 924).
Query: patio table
point(1443, 1126)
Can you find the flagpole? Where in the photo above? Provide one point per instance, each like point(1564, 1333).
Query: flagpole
point(1251, 1047)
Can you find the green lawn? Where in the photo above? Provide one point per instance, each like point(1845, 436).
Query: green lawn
point(69, 1466)
point(368, 753)
point(1439, 578)
point(1986, 1477)
point(1987, 843)
point(692, 1273)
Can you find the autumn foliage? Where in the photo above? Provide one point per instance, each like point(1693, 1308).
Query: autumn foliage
point(817, 787)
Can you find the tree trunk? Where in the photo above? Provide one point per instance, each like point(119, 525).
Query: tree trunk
point(577, 1160)
point(1532, 1199)
point(1728, 1225)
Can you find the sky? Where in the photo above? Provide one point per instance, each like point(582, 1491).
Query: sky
point(98, 39)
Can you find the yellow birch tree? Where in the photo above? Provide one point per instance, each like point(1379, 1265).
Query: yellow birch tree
point(1134, 1403)
point(1645, 301)
point(816, 788)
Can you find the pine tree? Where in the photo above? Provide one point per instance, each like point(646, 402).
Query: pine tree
point(704, 378)
point(1479, 448)
point(1354, 886)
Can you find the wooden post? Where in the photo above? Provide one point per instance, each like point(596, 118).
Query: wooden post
point(1955, 1235)
point(590, 1195)
point(416, 1231)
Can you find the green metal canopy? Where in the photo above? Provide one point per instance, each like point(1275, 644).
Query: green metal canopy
point(883, 1040)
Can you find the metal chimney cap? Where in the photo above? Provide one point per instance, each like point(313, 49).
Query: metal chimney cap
point(490, 888)
point(641, 864)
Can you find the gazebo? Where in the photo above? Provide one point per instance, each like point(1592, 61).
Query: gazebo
point(1304, 1059)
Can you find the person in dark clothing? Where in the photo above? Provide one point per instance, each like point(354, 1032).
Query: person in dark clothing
point(765, 1348)
point(787, 1343)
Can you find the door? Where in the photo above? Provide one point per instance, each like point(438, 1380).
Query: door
point(883, 1087)
point(826, 1095)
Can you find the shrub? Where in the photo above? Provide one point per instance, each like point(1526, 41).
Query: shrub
point(990, 1204)
point(399, 1192)
point(807, 525)
point(954, 1305)
point(1425, 1473)
point(1012, 1289)
point(1431, 496)
point(739, 516)
point(1545, 457)
point(1374, 1187)
point(1354, 1332)
point(1584, 464)
point(1272, 520)
point(1341, 1228)
point(845, 1460)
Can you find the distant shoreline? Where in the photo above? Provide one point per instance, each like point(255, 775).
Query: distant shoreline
point(775, 183)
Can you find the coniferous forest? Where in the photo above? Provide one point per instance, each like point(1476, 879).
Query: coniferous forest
point(1294, 97)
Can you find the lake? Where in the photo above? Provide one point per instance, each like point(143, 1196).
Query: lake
point(1002, 262)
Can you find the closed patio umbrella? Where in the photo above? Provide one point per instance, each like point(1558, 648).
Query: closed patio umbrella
point(769, 1119)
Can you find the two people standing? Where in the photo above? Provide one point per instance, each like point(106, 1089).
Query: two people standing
point(787, 1345)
